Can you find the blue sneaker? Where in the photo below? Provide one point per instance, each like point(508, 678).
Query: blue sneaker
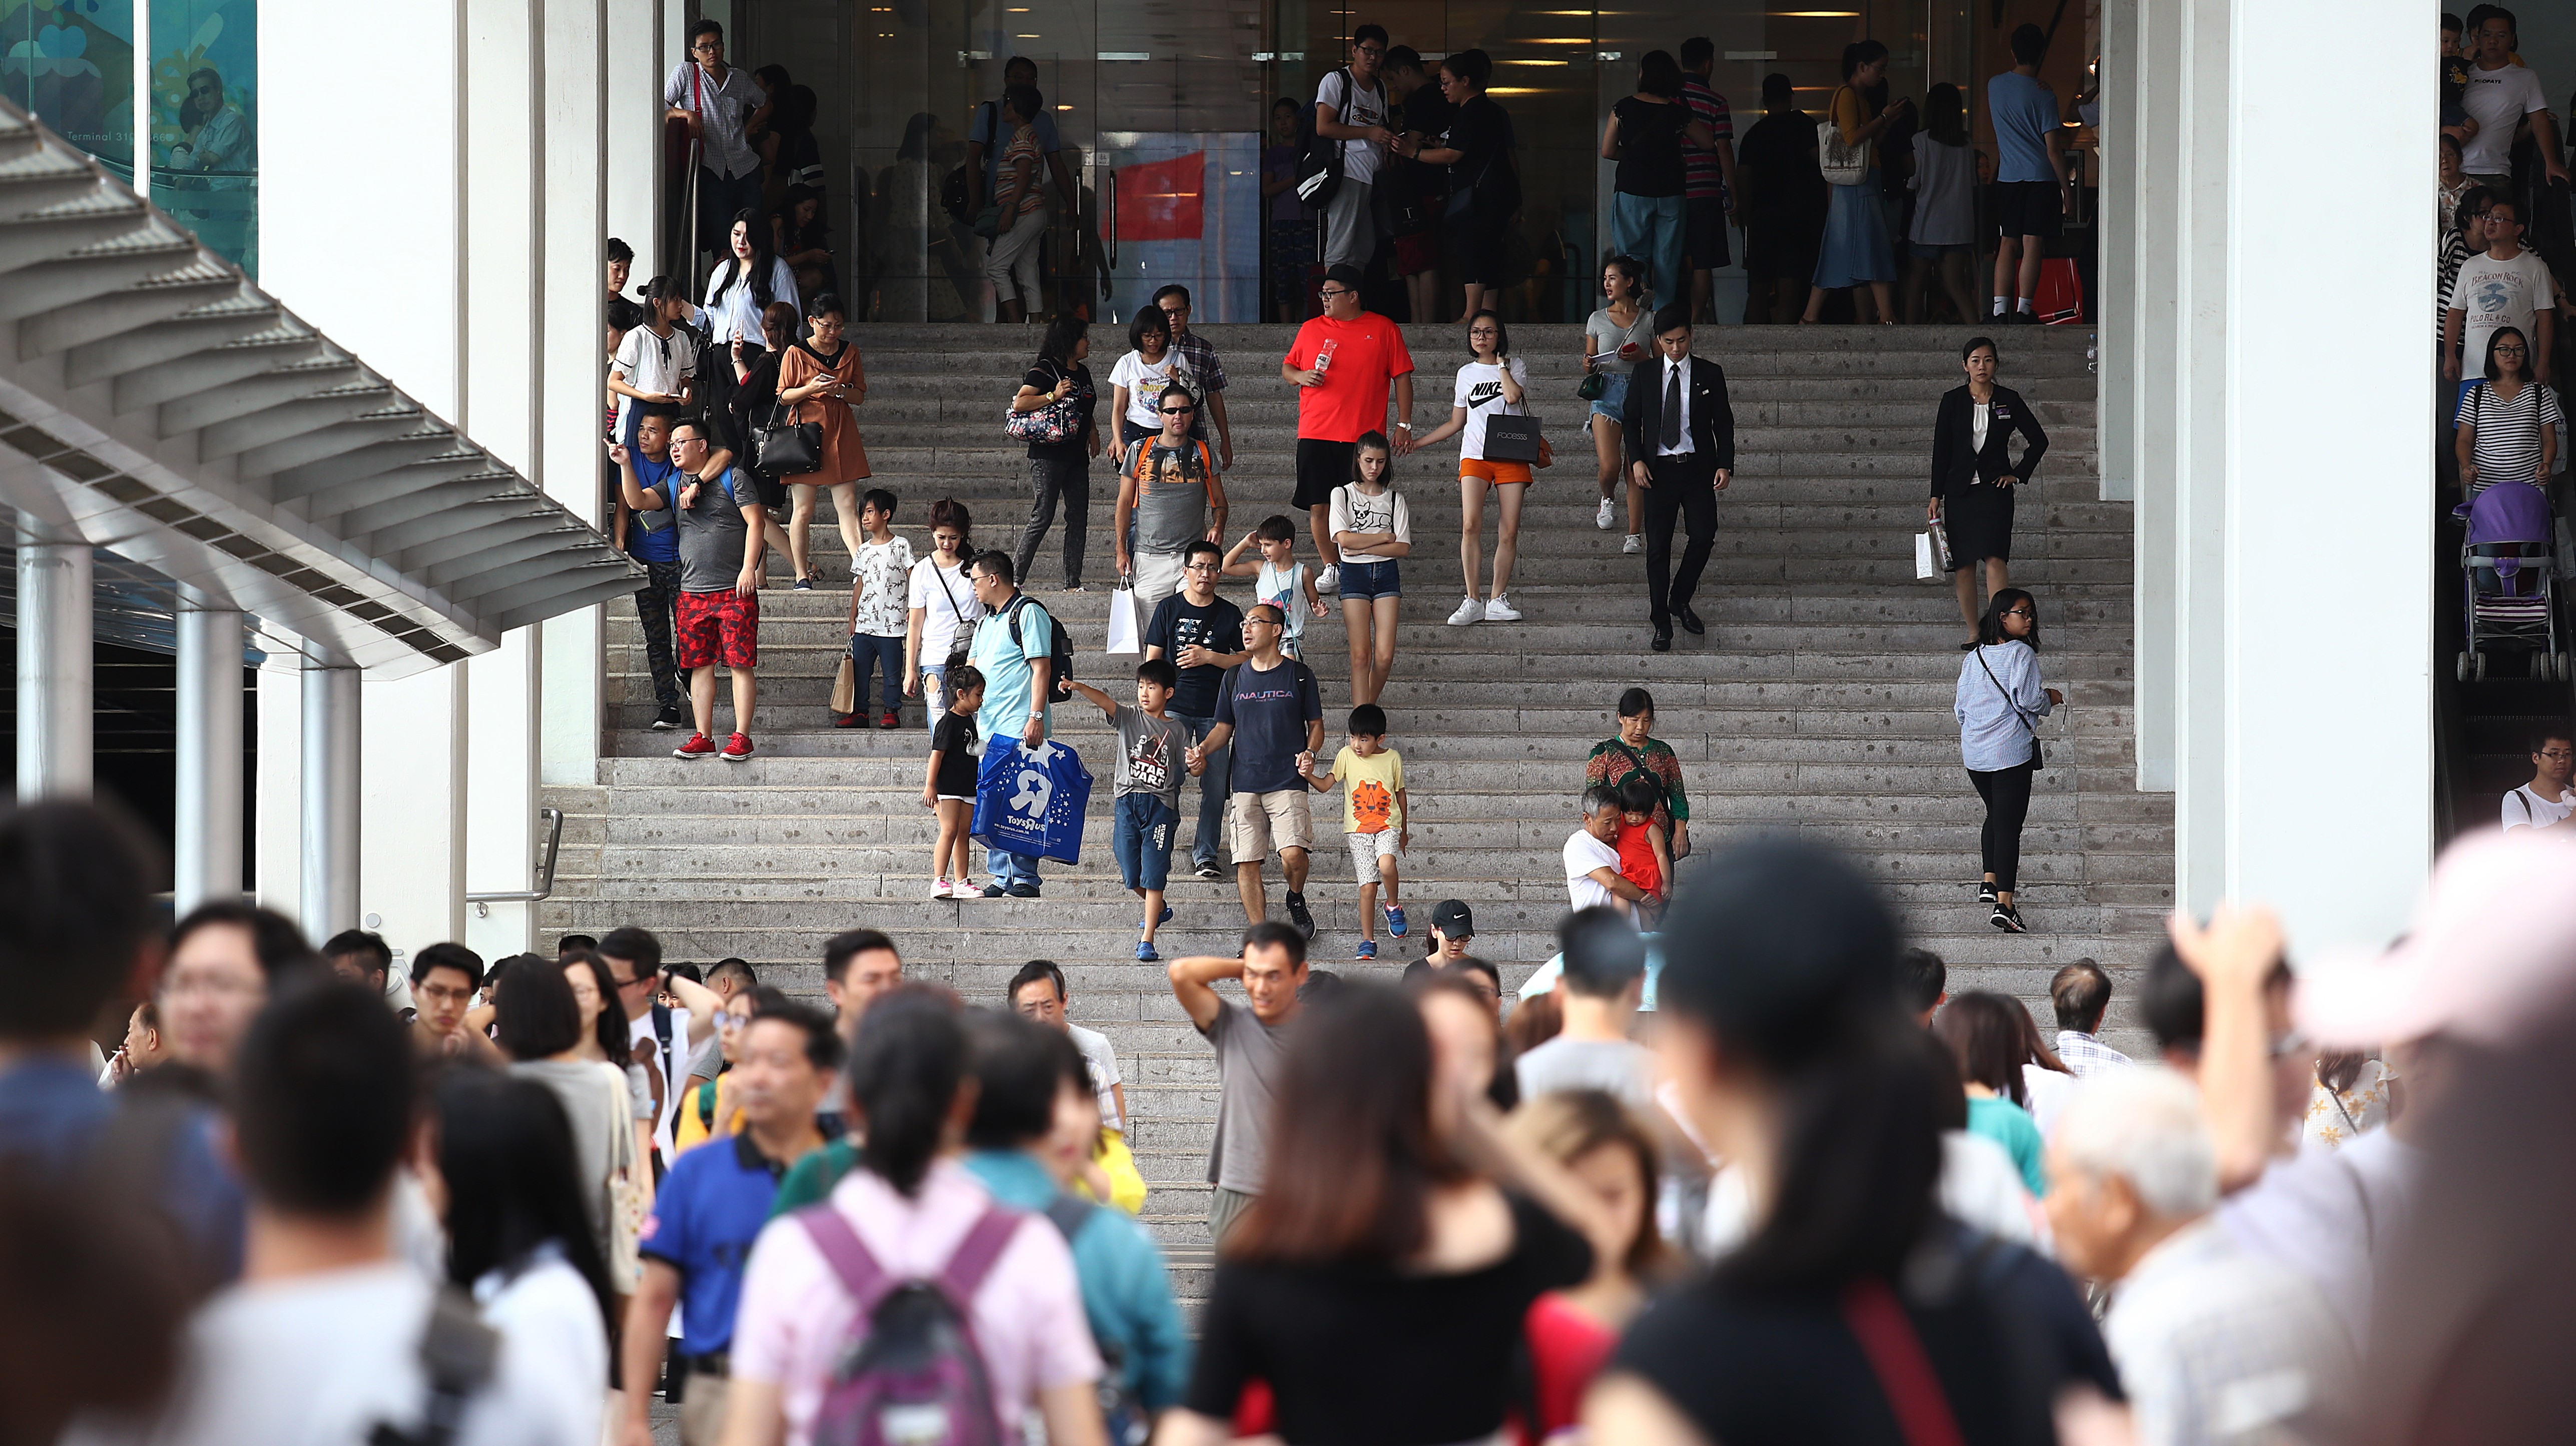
point(1166, 917)
point(1145, 952)
point(1395, 920)
point(1366, 950)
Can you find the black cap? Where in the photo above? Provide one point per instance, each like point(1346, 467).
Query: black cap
point(1452, 919)
point(1345, 274)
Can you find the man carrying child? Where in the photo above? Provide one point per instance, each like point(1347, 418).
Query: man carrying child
point(1376, 822)
point(1153, 748)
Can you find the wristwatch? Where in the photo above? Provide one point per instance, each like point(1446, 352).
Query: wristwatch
point(1404, 426)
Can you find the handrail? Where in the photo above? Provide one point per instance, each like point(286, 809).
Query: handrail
point(545, 871)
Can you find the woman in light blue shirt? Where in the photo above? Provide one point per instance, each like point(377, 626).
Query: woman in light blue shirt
point(2000, 702)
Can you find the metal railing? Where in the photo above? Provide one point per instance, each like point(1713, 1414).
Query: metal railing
point(545, 871)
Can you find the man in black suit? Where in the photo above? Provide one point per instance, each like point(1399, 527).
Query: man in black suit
point(1682, 434)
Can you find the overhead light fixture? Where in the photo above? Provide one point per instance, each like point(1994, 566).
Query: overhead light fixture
point(1123, 55)
point(1537, 62)
point(1512, 90)
point(1816, 14)
point(1064, 107)
point(1028, 37)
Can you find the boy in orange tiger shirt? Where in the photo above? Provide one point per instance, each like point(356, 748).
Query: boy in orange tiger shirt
point(1376, 820)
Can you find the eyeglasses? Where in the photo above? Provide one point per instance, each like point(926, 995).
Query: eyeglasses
point(1371, 51)
point(625, 984)
point(707, 47)
point(1329, 292)
point(1259, 623)
point(2019, 613)
point(1179, 411)
point(2509, 351)
point(728, 1022)
point(1199, 567)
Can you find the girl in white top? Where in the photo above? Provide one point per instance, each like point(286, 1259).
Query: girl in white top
point(1373, 530)
point(734, 304)
point(943, 608)
point(1491, 384)
point(1136, 383)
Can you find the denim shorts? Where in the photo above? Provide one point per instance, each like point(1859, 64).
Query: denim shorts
point(1613, 401)
point(1364, 580)
point(1141, 839)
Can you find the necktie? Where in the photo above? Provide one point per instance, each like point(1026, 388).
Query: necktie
point(1672, 405)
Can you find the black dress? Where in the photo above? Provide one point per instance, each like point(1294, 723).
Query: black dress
point(1366, 1355)
point(1977, 514)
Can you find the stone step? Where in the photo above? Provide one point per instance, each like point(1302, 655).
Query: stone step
point(895, 404)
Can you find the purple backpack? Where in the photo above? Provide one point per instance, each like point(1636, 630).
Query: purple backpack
point(911, 1375)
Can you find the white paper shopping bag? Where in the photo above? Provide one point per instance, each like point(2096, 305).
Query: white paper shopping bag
point(1126, 629)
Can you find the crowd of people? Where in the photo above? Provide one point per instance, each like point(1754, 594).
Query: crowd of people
point(2507, 252)
point(1760, 1177)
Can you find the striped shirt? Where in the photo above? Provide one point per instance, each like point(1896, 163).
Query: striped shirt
point(2507, 448)
point(2087, 1056)
point(1700, 175)
point(2455, 251)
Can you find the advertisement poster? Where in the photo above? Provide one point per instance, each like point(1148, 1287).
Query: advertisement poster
point(70, 63)
point(205, 121)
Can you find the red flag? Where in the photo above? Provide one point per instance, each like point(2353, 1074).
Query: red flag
point(1161, 201)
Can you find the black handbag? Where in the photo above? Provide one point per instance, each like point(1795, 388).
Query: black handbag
point(789, 450)
point(1510, 438)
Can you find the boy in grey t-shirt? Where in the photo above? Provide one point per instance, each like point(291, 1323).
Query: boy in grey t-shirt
point(1153, 752)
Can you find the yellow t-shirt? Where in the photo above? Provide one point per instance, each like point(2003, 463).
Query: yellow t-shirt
point(1369, 788)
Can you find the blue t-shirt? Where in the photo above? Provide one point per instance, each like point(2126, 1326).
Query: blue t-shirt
point(660, 544)
point(705, 1217)
point(1269, 712)
point(2024, 112)
point(1005, 666)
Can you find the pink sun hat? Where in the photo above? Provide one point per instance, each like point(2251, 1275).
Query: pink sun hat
point(2491, 952)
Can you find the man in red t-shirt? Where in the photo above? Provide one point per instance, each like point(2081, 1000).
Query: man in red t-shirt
point(1343, 398)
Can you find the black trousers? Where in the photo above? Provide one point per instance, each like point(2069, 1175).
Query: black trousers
point(1683, 492)
point(653, 604)
point(1054, 479)
point(2007, 795)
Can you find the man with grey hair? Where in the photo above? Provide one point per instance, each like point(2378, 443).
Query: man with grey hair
point(2214, 1344)
point(1592, 877)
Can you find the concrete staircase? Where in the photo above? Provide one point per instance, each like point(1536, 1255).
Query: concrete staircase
point(1819, 702)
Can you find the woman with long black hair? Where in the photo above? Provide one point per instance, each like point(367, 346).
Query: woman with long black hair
point(752, 277)
point(1974, 476)
point(1379, 1282)
point(1999, 703)
point(915, 1212)
point(498, 1166)
point(1854, 1311)
point(1060, 471)
point(538, 1021)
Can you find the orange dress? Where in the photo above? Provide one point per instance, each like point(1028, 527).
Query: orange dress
point(845, 459)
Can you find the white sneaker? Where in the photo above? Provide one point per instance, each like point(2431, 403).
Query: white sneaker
point(1468, 612)
point(1500, 610)
point(1602, 518)
point(1330, 579)
point(1636, 542)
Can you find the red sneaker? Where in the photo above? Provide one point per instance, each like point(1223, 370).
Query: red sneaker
point(698, 746)
point(893, 719)
point(849, 720)
point(737, 749)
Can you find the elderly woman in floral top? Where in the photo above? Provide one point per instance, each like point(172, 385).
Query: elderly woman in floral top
point(1613, 759)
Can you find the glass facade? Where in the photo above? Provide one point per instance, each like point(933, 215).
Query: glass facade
point(71, 63)
point(1163, 109)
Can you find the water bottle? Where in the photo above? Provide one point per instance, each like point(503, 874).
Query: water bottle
point(1324, 357)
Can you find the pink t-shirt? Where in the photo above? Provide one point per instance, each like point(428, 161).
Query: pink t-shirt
point(795, 1318)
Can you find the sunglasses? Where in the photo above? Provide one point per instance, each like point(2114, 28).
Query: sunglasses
point(1178, 411)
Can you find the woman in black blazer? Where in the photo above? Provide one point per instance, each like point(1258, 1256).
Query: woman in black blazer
point(1973, 474)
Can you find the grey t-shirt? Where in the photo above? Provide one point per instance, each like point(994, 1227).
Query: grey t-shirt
point(1172, 498)
point(1616, 1066)
point(1149, 754)
point(1607, 336)
point(711, 533)
point(1248, 1055)
point(1102, 1062)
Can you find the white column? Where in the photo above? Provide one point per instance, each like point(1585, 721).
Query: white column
point(277, 800)
point(54, 668)
point(2149, 88)
point(2201, 401)
point(501, 793)
point(207, 830)
point(573, 126)
point(328, 896)
point(412, 791)
point(2350, 700)
point(2117, 306)
point(632, 127)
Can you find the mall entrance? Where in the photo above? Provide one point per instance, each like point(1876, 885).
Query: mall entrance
point(1164, 110)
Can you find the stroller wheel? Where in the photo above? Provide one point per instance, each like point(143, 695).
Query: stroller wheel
point(2543, 666)
point(2462, 668)
point(2482, 667)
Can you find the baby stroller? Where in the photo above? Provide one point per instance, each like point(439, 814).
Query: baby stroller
point(2508, 575)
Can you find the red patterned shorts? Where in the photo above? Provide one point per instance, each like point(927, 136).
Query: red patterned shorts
point(717, 627)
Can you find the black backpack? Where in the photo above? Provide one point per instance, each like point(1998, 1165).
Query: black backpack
point(1059, 655)
point(1319, 158)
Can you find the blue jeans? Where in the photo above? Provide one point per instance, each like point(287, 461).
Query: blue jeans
point(1010, 868)
point(1651, 229)
point(1141, 838)
point(870, 654)
point(1215, 791)
point(934, 694)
